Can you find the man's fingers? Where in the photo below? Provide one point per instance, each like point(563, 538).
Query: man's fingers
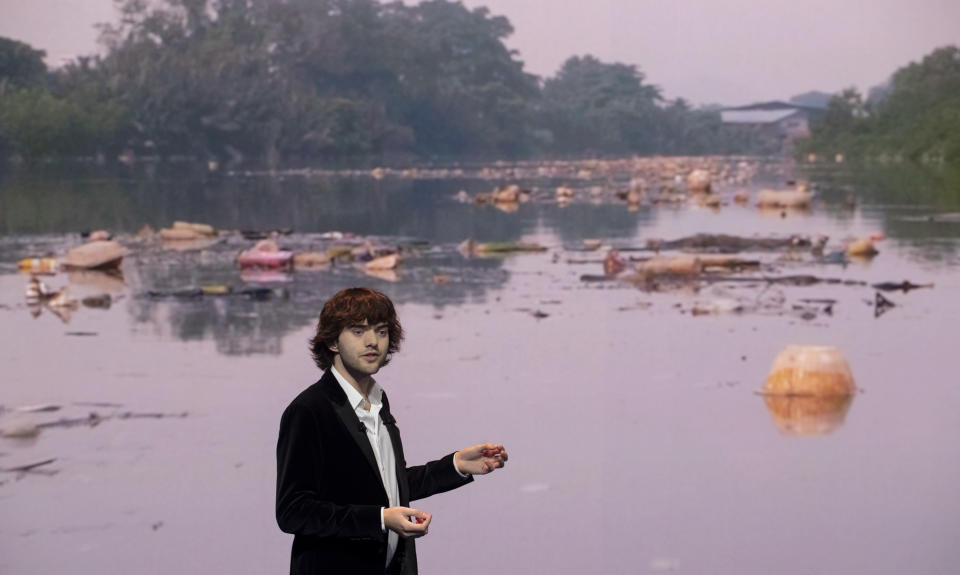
point(411, 529)
point(407, 521)
point(423, 518)
point(419, 527)
point(415, 515)
point(491, 449)
point(493, 455)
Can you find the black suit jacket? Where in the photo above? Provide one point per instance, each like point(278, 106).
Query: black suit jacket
point(329, 491)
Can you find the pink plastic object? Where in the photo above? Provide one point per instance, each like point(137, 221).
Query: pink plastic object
point(261, 259)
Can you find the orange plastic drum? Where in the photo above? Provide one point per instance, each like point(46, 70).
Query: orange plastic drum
point(810, 370)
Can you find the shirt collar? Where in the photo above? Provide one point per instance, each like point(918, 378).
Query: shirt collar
point(355, 397)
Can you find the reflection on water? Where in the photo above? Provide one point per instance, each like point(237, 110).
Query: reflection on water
point(262, 307)
point(895, 196)
point(399, 208)
point(806, 415)
point(922, 187)
point(423, 217)
point(97, 281)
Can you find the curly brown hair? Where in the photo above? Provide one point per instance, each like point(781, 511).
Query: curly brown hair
point(351, 307)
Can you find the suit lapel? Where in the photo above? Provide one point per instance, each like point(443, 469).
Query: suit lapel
point(351, 422)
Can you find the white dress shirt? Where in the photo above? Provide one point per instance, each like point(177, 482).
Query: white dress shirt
point(382, 447)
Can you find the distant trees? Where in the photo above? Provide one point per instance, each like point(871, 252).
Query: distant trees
point(685, 130)
point(308, 80)
point(59, 114)
point(916, 116)
point(462, 91)
point(20, 65)
point(598, 107)
point(21, 68)
point(843, 122)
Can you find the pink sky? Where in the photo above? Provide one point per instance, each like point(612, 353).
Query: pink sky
point(708, 51)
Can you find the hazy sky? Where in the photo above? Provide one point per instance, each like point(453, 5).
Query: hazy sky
point(708, 51)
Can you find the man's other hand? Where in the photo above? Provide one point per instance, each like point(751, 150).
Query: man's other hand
point(398, 520)
point(480, 459)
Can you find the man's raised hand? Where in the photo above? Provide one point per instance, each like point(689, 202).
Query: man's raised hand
point(398, 520)
point(480, 459)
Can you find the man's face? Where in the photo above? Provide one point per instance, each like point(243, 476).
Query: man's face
point(363, 347)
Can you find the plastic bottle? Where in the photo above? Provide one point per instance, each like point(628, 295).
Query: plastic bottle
point(46, 266)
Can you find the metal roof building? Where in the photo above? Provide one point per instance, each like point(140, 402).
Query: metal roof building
point(776, 123)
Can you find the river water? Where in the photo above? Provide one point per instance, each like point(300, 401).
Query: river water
point(637, 440)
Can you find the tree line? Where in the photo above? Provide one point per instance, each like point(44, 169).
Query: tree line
point(300, 80)
point(914, 116)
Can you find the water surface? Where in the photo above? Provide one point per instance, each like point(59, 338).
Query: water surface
point(637, 441)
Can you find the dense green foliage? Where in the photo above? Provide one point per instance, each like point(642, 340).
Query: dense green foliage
point(915, 117)
point(301, 81)
point(20, 65)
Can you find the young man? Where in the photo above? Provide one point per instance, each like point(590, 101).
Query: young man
point(343, 485)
